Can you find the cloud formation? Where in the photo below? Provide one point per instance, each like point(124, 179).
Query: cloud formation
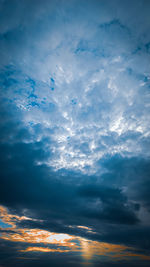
point(74, 130)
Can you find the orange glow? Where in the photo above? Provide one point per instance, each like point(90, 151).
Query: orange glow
point(91, 249)
point(42, 249)
point(84, 227)
point(131, 255)
point(10, 219)
point(38, 236)
point(63, 242)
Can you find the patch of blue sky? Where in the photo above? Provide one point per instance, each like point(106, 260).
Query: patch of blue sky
point(4, 225)
point(31, 82)
point(33, 104)
point(8, 82)
point(74, 101)
point(31, 123)
point(52, 84)
point(32, 95)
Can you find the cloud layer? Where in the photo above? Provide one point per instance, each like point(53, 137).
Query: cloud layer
point(74, 128)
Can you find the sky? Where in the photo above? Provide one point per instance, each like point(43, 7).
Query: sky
point(74, 133)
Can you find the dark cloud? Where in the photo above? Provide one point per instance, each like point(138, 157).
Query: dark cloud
point(131, 174)
point(109, 204)
point(114, 206)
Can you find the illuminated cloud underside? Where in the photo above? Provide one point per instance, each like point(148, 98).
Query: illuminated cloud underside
point(63, 243)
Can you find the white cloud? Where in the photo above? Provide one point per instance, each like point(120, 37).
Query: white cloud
point(98, 79)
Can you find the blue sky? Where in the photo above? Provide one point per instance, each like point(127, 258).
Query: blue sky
point(75, 126)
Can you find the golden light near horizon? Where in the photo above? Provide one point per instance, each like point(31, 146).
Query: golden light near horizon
point(62, 242)
point(43, 249)
point(38, 236)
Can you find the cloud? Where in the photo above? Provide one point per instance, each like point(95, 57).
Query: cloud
point(41, 241)
point(74, 138)
point(101, 98)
